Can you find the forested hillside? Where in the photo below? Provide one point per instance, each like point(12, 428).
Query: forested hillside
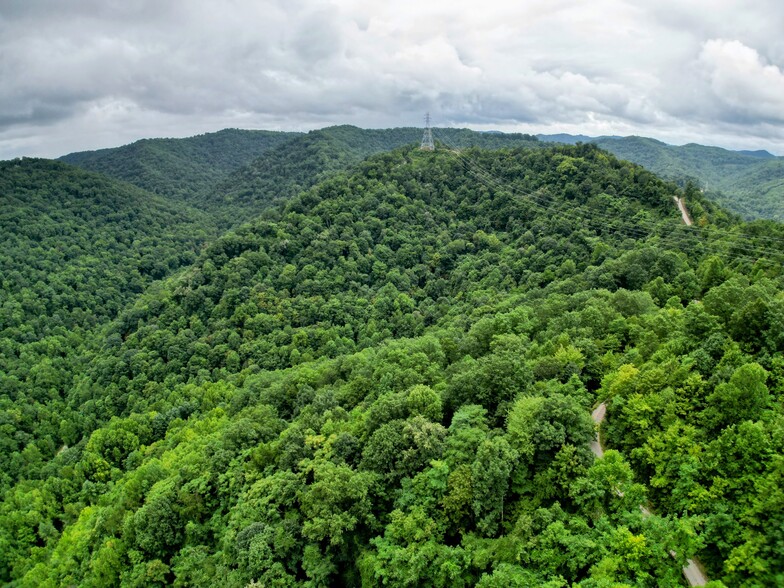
point(756, 193)
point(254, 168)
point(180, 168)
point(77, 247)
point(282, 172)
point(387, 379)
point(748, 183)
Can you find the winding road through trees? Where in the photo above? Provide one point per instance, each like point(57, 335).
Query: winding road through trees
point(693, 570)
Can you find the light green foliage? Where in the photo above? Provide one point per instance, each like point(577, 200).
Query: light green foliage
point(423, 400)
point(385, 377)
point(516, 577)
point(336, 502)
point(744, 397)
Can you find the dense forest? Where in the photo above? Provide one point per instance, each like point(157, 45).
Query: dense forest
point(750, 183)
point(77, 248)
point(180, 168)
point(384, 375)
point(247, 170)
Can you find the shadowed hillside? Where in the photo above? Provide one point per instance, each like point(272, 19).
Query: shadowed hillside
point(180, 167)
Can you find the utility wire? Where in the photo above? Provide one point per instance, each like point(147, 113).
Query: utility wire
point(711, 231)
point(632, 232)
point(493, 182)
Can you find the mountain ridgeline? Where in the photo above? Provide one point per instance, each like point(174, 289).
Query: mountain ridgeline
point(247, 170)
point(232, 172)
point(180, 168)
point(383, 374)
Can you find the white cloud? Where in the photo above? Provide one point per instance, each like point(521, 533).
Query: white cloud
point(92, 73)
point(746, 88)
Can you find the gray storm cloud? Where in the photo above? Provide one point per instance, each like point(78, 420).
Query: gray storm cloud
point(89, 73)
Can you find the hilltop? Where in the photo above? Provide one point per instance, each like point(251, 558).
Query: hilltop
point(236, 174)
point(282, 172)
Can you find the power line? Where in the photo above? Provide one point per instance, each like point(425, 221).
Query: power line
point(633, 232)
point(773, 241)
point(427, 138)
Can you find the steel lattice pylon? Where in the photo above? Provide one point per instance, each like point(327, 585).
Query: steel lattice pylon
point(427, 138)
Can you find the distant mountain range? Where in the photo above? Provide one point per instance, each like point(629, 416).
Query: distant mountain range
point(573, 139)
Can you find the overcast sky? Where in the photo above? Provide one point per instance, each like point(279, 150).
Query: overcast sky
point(84, 74)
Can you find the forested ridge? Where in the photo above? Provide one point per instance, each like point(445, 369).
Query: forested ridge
point(180, 168)
point(234, 174)
point(386, 378)
point(749, 183)
point(306, 160)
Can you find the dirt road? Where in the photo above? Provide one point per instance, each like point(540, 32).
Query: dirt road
point(693, 570)
point(684, 213)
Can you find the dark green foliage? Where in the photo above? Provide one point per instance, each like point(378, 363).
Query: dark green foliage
point(387, 379)
point(76, 249)
point(93, 242)
point(180, 168)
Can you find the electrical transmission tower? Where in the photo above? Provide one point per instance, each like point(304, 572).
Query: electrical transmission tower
point(427, 138)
